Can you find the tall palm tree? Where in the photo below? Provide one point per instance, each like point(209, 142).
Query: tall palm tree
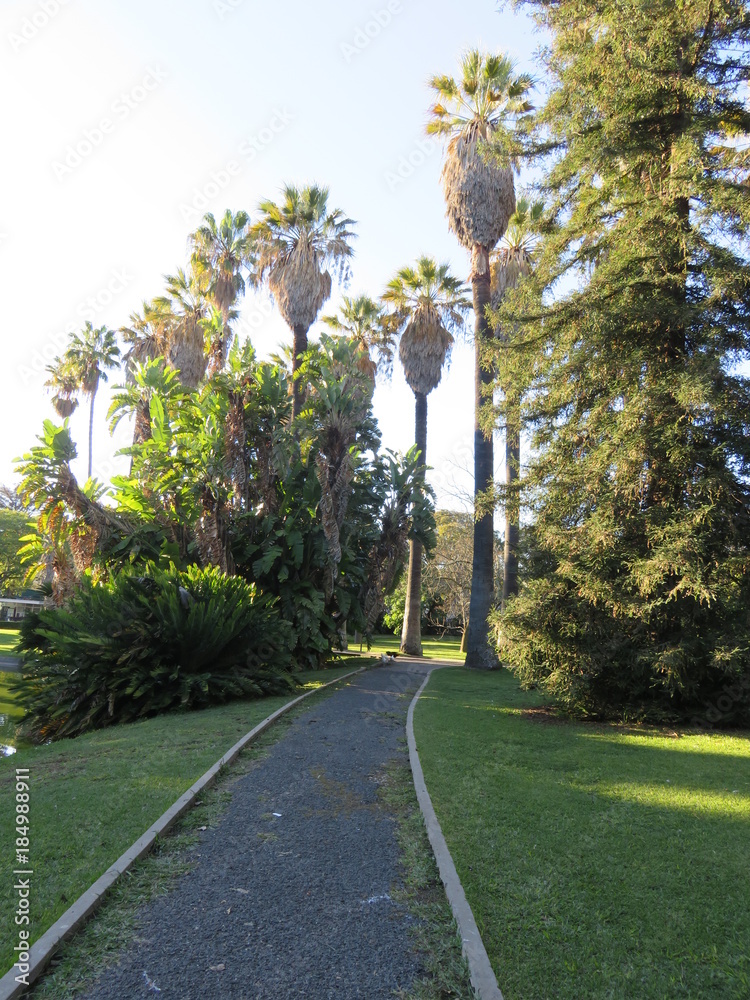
point(470, 112)
point(511, 262)
point(295, 241)
point(361, 321)
point(220, 251)
point(85, 363)
point(427, 303)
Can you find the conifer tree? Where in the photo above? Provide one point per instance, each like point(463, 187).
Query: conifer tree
point(640, 483)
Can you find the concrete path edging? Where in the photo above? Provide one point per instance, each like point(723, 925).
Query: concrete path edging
point(44, 948)
point(482, 976)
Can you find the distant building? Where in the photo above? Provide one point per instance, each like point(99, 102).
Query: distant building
point(13, 609)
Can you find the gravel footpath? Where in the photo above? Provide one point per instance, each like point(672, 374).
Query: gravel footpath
point(290, 896)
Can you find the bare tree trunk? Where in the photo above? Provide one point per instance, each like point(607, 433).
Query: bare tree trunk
point(480, 653)
point(411, 633)
point(343, 638)
point(512, 506)
point(91, 432)
point(299, 347)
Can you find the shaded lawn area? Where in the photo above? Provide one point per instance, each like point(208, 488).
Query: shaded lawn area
point(433, 649)
point(8, 640)
point(92, 797)
point(600, 862)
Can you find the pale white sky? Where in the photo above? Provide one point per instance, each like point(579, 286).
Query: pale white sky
point(125, 120)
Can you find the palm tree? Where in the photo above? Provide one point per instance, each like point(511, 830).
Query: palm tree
point(361, 320)
point(65, 385)
point(219, 253)
point(511, 262)
point(295, 241)
point(427, 302)
point(185, 306)
point(148, 336)
point(90, 355)
point(480, 200)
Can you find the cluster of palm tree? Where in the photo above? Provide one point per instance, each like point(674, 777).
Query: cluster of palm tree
point(297, 246)
point(289, 247)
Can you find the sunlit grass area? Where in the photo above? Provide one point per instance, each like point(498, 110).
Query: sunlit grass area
point(433, 649)
point(8, 640)
point(599, 862)
point(91, 797)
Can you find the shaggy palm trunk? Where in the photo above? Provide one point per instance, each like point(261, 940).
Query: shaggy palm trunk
point(411, 633)
point(512, 506)
point(480, 654)
point(91, 432)
point(299, 348)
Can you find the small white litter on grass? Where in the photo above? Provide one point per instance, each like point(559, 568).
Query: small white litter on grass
point(377, 899)
point(278, 815)
point(150, 983)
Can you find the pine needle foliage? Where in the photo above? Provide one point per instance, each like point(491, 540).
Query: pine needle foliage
point(146, 643)
point(640, 486)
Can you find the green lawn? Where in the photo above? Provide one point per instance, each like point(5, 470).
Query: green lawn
point(433, 649)
point(9, 713)
point(8, 640)
point(599, 862)
point(91, 797)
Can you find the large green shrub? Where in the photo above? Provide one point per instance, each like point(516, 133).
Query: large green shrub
point(147, 643)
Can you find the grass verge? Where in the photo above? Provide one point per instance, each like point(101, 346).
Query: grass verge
point(433, 649)
point(436, 938)
point(599, 861)
point(92, 797)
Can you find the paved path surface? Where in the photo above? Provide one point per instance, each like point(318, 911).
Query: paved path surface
point(290, 897)
point(11, 664)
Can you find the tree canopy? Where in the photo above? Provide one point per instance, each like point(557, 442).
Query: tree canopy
point(639, 482)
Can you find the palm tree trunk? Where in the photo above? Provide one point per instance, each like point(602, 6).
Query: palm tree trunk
point(512, 506)
point(480, 653)
point(300, 346)
point(411, 633)
point(91, 431)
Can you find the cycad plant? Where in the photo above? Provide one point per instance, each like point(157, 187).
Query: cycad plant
point(470, 113)
point(220, 252)
point(295, 242)
point(511, 262)
point(426, 303)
